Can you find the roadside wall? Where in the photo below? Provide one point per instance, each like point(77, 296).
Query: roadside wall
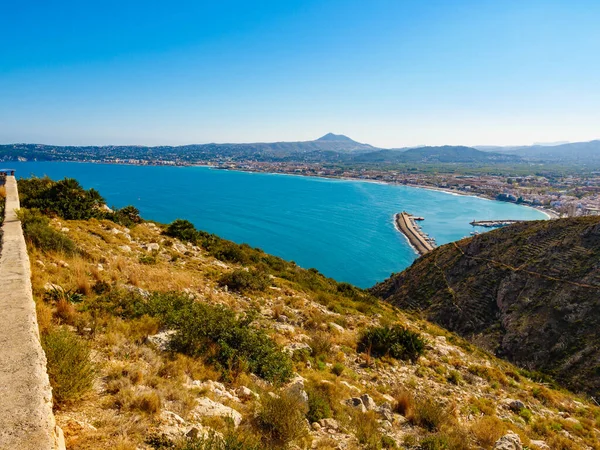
point(26, 418)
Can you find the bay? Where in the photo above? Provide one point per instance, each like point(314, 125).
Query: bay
point(343, 228)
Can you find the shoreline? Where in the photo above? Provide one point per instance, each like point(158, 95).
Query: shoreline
point(549, 213)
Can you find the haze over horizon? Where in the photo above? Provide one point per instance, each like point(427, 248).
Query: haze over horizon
point(390, 73)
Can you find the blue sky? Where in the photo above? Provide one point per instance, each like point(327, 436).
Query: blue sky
point(390, 73)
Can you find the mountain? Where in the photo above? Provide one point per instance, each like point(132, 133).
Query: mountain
point(579, 152)
point(443, 154)
point(336, 137)
point(527, 292)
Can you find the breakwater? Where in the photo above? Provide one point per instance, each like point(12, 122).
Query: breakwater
point(417, 238)
point(26, 418)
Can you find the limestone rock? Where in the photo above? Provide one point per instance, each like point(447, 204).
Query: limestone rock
point(368, 402)
point(207, 407)
point(161, 340)
point(509, 441)
point(335, 327)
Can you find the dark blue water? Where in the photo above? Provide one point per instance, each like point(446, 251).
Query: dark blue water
point(343, 228)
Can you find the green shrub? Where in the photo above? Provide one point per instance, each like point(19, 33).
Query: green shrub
point(395, 341)
point(127, 216)
point(37, 231)
point(231, 440)
point(366, 428)
point(245, 280)
point(183, 230)
point(281, 418)
point(338, 369)
point(65, 198)
point(318, 405)
point(70, 369)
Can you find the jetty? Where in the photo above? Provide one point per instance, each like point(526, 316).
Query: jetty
point(494, 223)
point(417, 238)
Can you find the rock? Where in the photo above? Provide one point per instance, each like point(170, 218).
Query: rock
point(53, 287)
point(62, 263)
point(349, 386)
point(315, 426)
point(170, 418)
point(115, 231)
point(509, 441)
point(207, 407)
point(282, 318)
point(539, 444)
point(193, 433)
point(161, 340)
point(297, 346)
point(335, 327)
point(516, 406)
point(153, 246)
point(296, 387)
point(332, 424)
point(64, 229)
point(136, 290)
point(100, 267)
point(356, 402)
point(368, 402)
point(125, 248)
point(40, 263)
point(246, 393)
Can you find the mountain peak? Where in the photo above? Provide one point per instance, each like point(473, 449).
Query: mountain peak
point(335, 137)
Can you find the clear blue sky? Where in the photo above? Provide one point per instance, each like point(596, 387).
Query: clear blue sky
point(390, 73)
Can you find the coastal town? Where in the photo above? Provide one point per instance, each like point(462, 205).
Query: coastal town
point(559, 196)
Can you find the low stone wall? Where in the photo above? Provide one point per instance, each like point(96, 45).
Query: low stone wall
point(26, 418)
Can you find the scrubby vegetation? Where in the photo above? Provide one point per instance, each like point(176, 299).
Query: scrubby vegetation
point(180, 359)
point(38, 232)
point(396, 341)
point(70, 368)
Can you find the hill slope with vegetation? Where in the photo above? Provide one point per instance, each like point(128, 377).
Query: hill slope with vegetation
point(166, 337)
point(528, 292)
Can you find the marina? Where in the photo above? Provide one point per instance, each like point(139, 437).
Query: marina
point(420, 240)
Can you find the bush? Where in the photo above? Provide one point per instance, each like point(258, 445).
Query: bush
point(37, 231)
point(395, 341)
point(65, 198)
point(245, 280)
point(127, 216)
point(224, 338)
point(183, 230)
point(366, 429)
point(70, 369)
point(282, 418)
point(318, 405)
point(231, 440)
point(429, 415)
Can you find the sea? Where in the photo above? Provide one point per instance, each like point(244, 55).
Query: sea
point(343, 228)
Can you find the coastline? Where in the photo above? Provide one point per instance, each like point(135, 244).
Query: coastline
point(549, 213)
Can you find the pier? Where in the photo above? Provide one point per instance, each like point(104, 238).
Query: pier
point(494, 223)
point(417, 238)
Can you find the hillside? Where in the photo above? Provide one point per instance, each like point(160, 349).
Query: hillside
point(528, 292)
point(165, 337)
point(571, 152)
point(443, 154)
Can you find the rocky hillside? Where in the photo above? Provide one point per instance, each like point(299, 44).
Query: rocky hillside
point(165, 337)
point(528, 293)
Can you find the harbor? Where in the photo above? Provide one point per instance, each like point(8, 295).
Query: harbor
point(493, 223)
point(420, 240)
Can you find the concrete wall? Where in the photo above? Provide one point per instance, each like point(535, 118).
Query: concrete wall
point(26, 419)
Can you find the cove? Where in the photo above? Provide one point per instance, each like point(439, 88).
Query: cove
point(343, 228)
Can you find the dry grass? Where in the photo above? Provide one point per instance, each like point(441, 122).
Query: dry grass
point(404, 402)
point(487, 430)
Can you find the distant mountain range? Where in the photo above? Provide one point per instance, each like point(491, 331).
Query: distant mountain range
point(582, 152)
point(330, 148)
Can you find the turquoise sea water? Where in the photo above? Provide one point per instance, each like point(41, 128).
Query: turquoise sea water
point(343, 228)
